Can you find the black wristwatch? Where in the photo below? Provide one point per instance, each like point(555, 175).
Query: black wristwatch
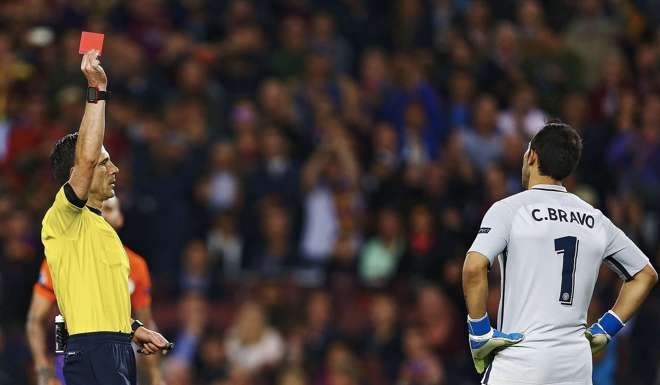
point(135, 325)
point(93, 95)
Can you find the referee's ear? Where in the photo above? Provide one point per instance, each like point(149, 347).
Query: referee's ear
point(68, 180)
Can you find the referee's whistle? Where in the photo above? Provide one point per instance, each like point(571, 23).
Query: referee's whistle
point(164, 351)
point(170, 346)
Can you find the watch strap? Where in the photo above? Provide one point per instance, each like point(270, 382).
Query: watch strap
point(136, 324)
point(105, 95)
point(93, 95)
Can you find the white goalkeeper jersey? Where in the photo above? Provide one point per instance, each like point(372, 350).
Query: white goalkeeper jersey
point(551, 245)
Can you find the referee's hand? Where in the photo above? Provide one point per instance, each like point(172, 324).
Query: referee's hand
point(91, 67)
point(150, 342)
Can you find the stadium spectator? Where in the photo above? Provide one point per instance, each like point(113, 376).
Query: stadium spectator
point(382, 255)
point(196, 272)
point(226, 245)
point(252, 345)
point(483, 141)
point(384, 340)
point(420, 366)
point(522, 117)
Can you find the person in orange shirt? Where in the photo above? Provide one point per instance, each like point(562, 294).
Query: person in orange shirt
point(41, 312)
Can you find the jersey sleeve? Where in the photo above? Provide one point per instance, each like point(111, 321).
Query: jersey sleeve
point(621, 254)
point(141, 296)
point(44, 286)
point(64, 216)
point(493, 235)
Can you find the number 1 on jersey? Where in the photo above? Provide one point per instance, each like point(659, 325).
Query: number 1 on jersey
point(567, 247)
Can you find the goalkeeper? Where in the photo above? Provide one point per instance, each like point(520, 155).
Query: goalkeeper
point(551, 245)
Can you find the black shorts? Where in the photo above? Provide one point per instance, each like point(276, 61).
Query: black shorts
point(101, 358)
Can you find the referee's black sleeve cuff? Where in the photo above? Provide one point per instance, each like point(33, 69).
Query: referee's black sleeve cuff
point(72, 197)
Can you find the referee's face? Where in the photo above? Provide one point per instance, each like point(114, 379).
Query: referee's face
point(105, 173)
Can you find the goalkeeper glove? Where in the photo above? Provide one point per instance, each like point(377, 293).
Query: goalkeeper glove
point(600, 333)
point(486, 341)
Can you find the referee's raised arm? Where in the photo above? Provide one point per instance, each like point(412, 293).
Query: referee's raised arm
point(92, 128)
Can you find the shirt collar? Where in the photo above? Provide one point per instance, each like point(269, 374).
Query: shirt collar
point(551, 187)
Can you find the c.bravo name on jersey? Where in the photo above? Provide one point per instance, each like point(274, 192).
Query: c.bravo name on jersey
point(560, 215)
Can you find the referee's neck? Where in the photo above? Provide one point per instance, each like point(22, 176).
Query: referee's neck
point(94, 202)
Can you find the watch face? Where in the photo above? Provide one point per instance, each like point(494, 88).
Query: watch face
point(92, 94)
point(136, 324)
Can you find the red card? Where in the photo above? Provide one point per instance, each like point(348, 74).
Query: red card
point(90, 41)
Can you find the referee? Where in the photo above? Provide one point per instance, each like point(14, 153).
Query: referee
point(87, 261)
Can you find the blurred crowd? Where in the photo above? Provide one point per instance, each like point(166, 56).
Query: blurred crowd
point(304, 177)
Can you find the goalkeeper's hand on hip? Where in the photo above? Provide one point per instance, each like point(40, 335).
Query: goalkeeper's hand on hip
point(600, 333)
point(486, 341)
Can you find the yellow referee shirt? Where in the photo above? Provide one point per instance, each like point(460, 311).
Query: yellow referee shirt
point(88, 264)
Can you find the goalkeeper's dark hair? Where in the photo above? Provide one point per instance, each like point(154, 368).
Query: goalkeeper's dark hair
point(558, 147)
point(63, 156)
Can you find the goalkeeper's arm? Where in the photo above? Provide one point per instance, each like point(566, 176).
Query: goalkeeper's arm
point(483, 339)
point(475, 284)
point(631, 296)
point(634, 292)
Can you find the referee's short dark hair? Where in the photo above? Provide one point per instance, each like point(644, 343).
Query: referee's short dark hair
point(63, 156)
point(558, 147)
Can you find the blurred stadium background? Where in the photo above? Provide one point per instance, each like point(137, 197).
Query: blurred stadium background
point(304, 177)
